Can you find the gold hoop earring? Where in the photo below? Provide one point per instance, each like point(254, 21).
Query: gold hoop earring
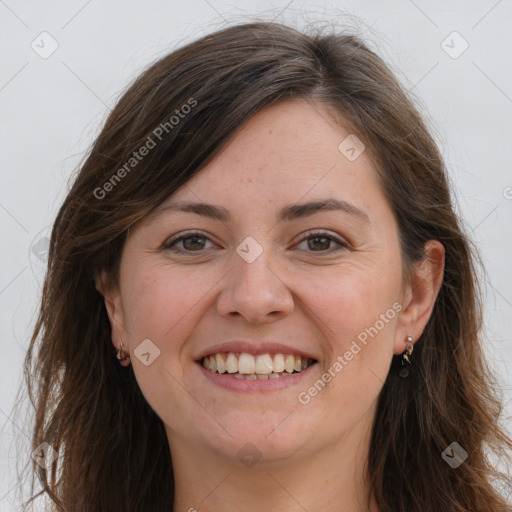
point(122, 356)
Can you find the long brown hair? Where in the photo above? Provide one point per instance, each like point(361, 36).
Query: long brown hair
point(113, 450)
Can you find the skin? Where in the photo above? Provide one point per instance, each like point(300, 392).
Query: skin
point(300, 291)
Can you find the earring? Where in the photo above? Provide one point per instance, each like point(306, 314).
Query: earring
point(404, 372)
point(124, 359)
point(408, 350)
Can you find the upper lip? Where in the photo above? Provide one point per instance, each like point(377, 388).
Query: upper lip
point(253, 347)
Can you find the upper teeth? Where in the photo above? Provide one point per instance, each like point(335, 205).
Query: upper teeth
point(262, 364)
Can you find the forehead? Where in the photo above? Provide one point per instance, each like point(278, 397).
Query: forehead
point(284, 153)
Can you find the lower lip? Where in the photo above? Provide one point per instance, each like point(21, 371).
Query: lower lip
point(224, 380)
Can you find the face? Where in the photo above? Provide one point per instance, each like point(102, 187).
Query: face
point(259, 279)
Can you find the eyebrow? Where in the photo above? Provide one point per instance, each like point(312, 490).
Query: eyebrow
point(288, 213)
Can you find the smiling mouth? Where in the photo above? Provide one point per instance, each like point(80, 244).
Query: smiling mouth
point(249, 367)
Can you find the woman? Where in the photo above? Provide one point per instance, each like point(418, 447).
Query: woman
point(259, 297)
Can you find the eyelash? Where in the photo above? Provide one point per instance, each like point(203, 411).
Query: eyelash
point(310, 235)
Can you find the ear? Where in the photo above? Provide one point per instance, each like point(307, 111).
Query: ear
point(112, 297)
point(420, 295)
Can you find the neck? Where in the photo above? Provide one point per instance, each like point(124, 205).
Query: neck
point(329, 481)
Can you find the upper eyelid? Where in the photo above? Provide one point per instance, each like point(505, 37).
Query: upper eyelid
point(342, 241)
point(186, 234)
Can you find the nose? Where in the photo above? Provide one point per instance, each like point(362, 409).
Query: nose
point(255, 291)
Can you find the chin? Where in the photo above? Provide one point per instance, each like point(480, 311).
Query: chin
point(272, 438)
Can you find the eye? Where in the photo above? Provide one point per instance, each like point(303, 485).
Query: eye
point(320, 241)
point(193, 241)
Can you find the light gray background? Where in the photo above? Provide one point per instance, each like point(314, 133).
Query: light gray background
point(52, 108)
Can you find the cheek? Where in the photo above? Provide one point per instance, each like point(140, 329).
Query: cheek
point(352, 298)
point(160, 301)
point(357, 317)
